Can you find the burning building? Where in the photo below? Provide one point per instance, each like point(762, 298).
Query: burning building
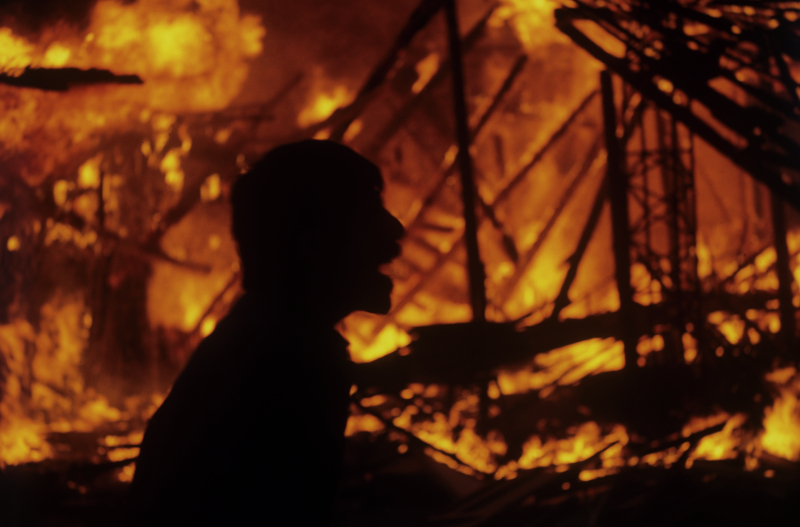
point(594, 314)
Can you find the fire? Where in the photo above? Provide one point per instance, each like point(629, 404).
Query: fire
point(192, 56)
point(362, 423)
point(586, 440)
point(532, 20)
point(15, 52)
point(781, 436)
point(359, 328)
point(426, 69)
point(564, 366)
point(782, 427)
point(44, 388)
point(324, 102)
point(468, 447)
point(722, 445)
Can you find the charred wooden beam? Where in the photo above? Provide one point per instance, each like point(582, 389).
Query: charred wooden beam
point(525, 260)
point(488, 209)
point(475, 270)
point(401, 116)
point(476, 132)
point(618, 194)
point(749, 124)
point(62, 79)
point(501, 196)
point(454, 353)
point(344, 117)
point(253, 113)
point(562, 299)
point(552, 140)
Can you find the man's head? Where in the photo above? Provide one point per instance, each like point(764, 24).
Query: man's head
point(310, 226)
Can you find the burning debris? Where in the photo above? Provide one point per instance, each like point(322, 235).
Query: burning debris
point(616, 312)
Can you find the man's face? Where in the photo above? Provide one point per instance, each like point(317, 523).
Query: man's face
point(372, 241)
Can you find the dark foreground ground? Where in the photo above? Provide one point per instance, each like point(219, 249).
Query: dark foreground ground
point(384, 488)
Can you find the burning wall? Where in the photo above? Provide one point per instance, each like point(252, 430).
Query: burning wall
point(117, 256)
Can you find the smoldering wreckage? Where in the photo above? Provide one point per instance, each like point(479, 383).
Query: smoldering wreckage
point(594, 317)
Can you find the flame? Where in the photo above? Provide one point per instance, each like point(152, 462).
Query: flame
point(470, 448)
point(192, 56)
point(731, 326)
point(782, 427)
point(362, 423)
point(426, 69)
point(564, 366)
point(532, 20)
point(781, 436)
point(586, 441)
point(722, 445)
point(44, 380)
point(324, 102)
point(647, 290)
point(359, 328)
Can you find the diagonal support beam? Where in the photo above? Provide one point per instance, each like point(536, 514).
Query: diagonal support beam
point(475, 269)
point(618, 194)
point(562, 300)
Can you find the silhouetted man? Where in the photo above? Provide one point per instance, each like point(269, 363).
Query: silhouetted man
point(252, 432)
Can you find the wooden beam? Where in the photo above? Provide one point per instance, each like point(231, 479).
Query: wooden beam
point(475, 269)
point(618, 194)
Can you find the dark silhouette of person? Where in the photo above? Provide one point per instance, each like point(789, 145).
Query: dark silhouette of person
point(252, 432)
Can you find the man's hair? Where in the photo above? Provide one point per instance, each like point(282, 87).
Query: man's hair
point(295, 188)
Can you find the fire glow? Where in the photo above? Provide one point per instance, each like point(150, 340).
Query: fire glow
point(193, 63)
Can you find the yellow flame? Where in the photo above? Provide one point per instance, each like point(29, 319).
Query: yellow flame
point(56, 56)
point(362, 423)
point(358, 329)
point(723, 444)
point(426, 69)
point(89, 173)
point(15, 52)
point(192, 56)
point(532, 20)
point(586, 442)
point(44, 379)
point(564, 366)
point(13, 244)
point(211, 188)
point(781, 435)
point(323, 104)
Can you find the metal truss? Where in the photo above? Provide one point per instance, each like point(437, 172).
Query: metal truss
point(651, 167)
